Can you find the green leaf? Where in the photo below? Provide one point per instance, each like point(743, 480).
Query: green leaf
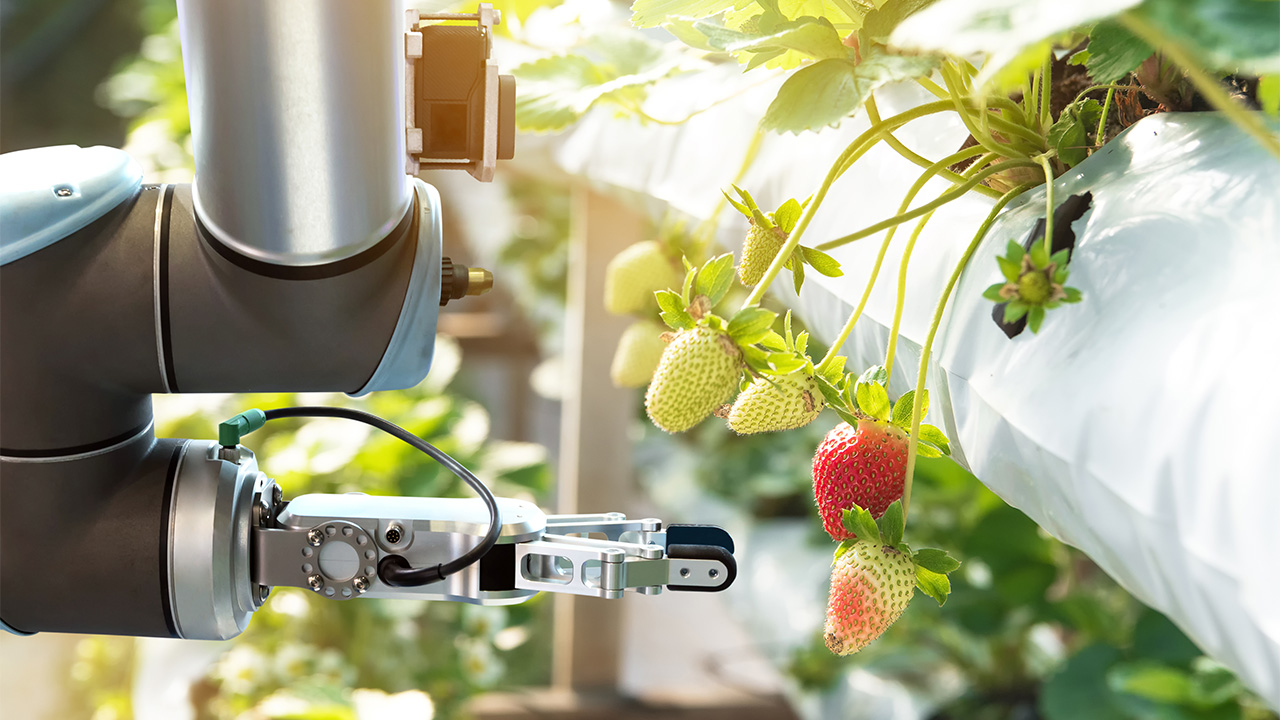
point(859, 522)
point(821, 262)
point(751, 325)
point(844, 547)
point(892, 523)
point(879, 23)
point(1061, 258)
point(1156, 638)
point(1269, 94)
point(1011, 269)
point(1014, 34)
point(828, 91)
point(1039, 255)
point(829, 392)
point(756, 359)
point(1015, 311)
point(673, 310)
point(936, 560)
point(834, 369)
point(1073, 295)
point(784, 363)
point(1069, 136)
point(935, 585)
point(902, 408)
point(736, 205)
point(787, 215)
point(1014, 252)
point(1152, 681)
point(690, 276)
point(650, 13)
point(844, 414)
point(1078, 691)
point(993, 292)
point(814, 37)
point(1226, 35)
point(934, 436)
point(802, 342)
point(876, 374)
point(716, 277)
point(873, 400)
point(1212, 684)
point(1114, 52)
point(773, 341)
point(797, 276)
point(924, 449)
point(1035, 316)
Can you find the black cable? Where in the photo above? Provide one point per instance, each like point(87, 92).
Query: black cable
point(394, 570)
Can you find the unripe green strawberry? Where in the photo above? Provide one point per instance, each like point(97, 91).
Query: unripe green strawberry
point(871, 584)
point(698, 373)
point(639, 350)
point(773, 404)
point(635, 274)
point(866, 466)
point(759, 250)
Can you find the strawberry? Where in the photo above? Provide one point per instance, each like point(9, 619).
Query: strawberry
point(766, 236)
point(871, 585)
point(639, 350)
point(698, 372)
point(774, 404)
point(783, 397)
point(863, 460)
point(874, 578)
point(759, 250)
point(634, 274)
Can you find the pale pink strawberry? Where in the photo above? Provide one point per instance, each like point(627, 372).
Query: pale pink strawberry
point(871, 584)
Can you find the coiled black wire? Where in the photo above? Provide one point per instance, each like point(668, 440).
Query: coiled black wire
point(394, 570)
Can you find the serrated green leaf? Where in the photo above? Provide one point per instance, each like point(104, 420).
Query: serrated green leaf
point(1069, 136)
point(879, 23)
point(773, 341)
point(1014, 251)
point(812, 37)
point(788, 215)
point(844, 547)
point(834, 369)
point(936, 560)
point(1079, 58)
point(902, 409)
point(873, 400)
point(1060, 274)
point(785, 363)
point(1225, 35)
point(875, 374)
point(1039, 255)
point(993, 292)
point(716, 277)
point(859, 522)
point(650, 13)
point(845, 415)
point(755, 358)
point(1035, 316)
point(822, 262)
point(1061, 258)
point(802, 342)
point(668, 301)
point(1009, 268)
point(828, 91)
point(750, 321)
point(677, 319)
point(690, 276)
point(1073, 295)
point(892, 523)
point(1114, 52)
point(737, 205)
point(934, 436)
point(935, 585)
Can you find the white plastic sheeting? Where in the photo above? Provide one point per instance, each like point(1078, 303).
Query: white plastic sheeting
point(1138, 425)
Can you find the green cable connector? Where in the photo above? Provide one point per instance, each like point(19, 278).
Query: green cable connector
point(230, 431)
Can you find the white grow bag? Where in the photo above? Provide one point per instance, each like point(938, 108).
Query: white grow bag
point(1138, 425)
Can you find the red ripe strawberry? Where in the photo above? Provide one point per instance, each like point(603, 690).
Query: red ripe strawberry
point(866, 466)
point(863, 460)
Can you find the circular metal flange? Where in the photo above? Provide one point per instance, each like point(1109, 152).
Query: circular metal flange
point(339, 561)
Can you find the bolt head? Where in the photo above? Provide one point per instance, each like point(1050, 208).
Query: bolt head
point(277, 495)
point(314, 582)
point(263, 593)
point(361, 584)
point(315, 537)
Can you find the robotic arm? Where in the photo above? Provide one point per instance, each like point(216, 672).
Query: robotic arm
point(305, 257)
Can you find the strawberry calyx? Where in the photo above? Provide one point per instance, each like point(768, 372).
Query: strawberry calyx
point(782, 221)
point(932, 566)
point(867, 399)
point(1034, 283)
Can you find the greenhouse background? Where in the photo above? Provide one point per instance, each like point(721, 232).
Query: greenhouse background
point(639, 140)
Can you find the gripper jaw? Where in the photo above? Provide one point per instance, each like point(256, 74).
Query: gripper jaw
point(333, 545)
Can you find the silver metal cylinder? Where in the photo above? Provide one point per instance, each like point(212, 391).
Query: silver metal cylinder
point(297, 124)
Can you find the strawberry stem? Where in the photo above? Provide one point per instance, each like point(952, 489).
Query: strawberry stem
point(938, 202)
point(902, 277)
point(1100, 137)
point(1250, 122)
point(851, 153)
point(884, 246)
point(1048, 203)
point(954, 84)
point(1046, 91)
point(925, 349)
point(873, 114)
